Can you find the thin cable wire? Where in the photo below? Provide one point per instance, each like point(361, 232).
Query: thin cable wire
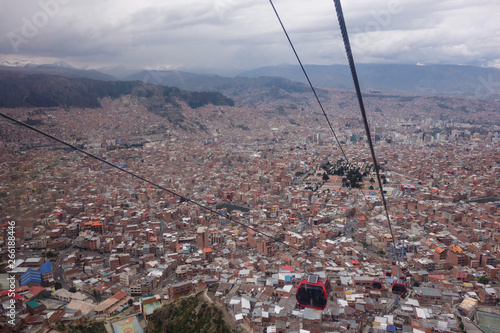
point(312, 88)
point(345, 37)
point(309, 81)
point(145, 180)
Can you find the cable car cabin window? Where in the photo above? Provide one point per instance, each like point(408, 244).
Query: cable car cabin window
point(328, 287)
point(311, 296)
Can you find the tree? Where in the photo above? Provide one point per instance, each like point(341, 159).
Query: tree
point(325, 177)
point(43, 294)
point(51, 254)
point(130, 301)
point(352, 178)
point(483, 279)
point(97, 295)
point(57, 285)
point(345, 182)
point(72, 290)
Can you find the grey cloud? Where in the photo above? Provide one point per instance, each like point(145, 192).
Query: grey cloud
point(246, 34)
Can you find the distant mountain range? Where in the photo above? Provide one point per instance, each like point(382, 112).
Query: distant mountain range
point(60, 68)
point(450, 80)
point(280, 82)
point(20, 89)
point(242, 89)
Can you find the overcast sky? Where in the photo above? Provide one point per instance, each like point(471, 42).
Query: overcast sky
point(245, 34)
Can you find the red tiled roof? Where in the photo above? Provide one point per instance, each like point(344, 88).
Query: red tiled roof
point(36, 290)
point(119, 295)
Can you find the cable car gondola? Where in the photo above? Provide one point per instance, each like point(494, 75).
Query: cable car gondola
point(376, 284)
point(398, 288)
point(313, 291)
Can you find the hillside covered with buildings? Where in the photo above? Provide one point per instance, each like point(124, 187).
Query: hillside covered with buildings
point(93, 243)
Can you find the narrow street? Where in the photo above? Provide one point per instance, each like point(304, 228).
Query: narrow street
point(58, 270)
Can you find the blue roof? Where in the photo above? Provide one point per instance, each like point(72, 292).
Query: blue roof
point(46, 268)
point(391, 328)
point(30, 276)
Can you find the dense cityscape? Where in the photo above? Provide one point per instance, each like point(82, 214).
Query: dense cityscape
point(95, 245)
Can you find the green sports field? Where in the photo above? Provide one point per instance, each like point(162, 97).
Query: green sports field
point(488, 322)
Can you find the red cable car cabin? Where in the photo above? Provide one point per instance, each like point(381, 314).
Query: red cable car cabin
point(313, 291)
point(398, 288)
